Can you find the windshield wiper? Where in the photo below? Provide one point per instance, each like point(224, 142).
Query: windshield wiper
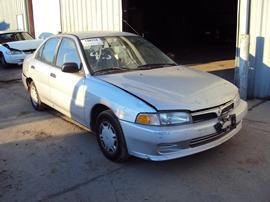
point(112, 69)
point(153, 65)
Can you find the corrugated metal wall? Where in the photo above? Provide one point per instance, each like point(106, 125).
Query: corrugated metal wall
point(259, 49)
point(91, 15)
point(9, 9)
point(259, 74)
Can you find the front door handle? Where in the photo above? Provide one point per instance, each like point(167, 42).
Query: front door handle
point(53, 75)
point(32, 67)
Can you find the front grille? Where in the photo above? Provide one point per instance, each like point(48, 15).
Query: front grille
point(227, 109)
point(211, 113)
point(203, 117)
point(30, 51)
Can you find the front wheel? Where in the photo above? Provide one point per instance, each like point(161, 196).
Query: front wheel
point(34, 98)
point(110, 137)
point(4, 63)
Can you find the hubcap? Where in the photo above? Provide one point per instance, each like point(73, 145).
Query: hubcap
point(108, 137)
point(34, 95)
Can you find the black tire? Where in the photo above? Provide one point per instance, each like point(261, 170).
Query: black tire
point(4, 64)
point(110, 137)
point(34, 98)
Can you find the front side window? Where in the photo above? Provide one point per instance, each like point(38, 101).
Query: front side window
point(46, 52)
point(123, 53)
point(67, 53)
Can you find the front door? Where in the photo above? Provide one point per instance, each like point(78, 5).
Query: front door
point(67, 90)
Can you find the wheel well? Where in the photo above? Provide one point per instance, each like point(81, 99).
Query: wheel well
point(97, 109)
point(28, 81)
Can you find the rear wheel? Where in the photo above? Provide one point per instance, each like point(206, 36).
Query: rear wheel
point(35, 99)
point(3, 62)
point(110, 137)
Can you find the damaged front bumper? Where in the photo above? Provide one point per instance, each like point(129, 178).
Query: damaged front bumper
point(170, 142)
point(16, 59)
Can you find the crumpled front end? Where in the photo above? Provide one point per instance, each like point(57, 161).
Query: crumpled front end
point(15, 52)
point(159, 143)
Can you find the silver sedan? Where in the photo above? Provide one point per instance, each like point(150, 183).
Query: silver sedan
point(135, 99)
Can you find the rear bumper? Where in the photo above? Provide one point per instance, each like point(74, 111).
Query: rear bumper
point(164, 143)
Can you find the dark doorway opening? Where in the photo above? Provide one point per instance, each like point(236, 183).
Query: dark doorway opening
point(196, 31)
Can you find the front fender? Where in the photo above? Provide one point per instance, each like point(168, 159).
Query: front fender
point(124, 105)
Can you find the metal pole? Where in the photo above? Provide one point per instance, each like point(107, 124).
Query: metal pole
point(242, 47)
point(30, 17)
point(243, 65)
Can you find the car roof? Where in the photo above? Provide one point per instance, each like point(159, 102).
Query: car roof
point(11, 31)
point(91, 34)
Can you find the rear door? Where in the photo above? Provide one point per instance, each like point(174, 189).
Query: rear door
point(40, 68)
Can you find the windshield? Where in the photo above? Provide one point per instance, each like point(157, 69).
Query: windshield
point(15, 36)
point(123, 53)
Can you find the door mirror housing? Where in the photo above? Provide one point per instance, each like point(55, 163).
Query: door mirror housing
point(70, 67)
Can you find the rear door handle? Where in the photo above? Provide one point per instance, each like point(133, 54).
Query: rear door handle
point(53, 75)
point(32, 67)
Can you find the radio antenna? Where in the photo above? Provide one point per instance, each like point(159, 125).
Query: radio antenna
point(130, 26)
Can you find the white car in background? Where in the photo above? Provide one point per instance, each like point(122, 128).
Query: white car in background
point(137, 100)
point(15, 46)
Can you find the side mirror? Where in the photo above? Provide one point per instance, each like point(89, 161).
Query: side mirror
point(171, 55)
point(70, 67)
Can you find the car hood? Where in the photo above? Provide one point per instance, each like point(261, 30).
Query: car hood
point(173, 88)
point(25, 44)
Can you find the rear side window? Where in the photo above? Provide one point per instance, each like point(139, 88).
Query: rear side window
point(46, 52)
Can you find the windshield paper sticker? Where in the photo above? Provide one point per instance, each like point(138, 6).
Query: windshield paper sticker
point(92, 42)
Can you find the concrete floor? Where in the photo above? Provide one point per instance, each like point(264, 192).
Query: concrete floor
point(218, 59)
point(45, 157)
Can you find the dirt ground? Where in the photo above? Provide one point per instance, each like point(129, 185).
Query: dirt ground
point(44, 156)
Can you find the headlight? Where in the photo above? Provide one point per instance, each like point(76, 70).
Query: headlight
point(168, 118)
point(13, 52)
point(172, 118)
point(236, 100)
